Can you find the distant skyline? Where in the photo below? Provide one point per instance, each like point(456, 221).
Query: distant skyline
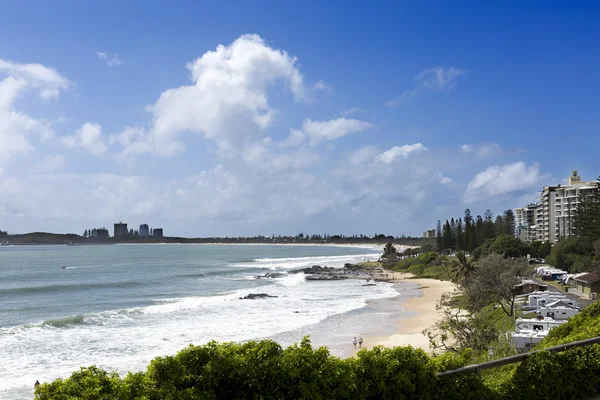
point(245, 118)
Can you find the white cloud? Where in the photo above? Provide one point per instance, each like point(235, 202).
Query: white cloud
point(350, 111)
point(499, 180)
point(112, 60)
point(321, 131)
point(439, 78)
point(49, 164)
point(227, 101)
point(88, 137)
point(16, 127)
point(49, 82)
point(387, 157)
point(444, 179)
point(481, 150)
point(430, 80)
point(363, 155)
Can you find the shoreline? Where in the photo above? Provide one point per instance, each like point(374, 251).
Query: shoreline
point(413, 310)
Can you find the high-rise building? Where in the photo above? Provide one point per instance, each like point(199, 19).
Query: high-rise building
point(157, 232)
point(144, 230)
point(429, 234)
point(120, 229)
point(526, 223)
point(556, 206)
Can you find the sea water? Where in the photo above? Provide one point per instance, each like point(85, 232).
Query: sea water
point(119, 306)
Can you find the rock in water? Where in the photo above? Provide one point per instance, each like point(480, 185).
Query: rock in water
point(254, 296)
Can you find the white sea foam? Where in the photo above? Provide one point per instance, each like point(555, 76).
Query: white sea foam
point(303, 262)
point(126, 340)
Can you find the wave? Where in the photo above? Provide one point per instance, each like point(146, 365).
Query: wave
point(68, 287)
point(301, 262)
point(78, 319)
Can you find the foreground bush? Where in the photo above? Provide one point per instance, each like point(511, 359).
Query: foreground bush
point(263, 370)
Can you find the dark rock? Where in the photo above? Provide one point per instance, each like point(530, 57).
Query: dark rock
point(253, 296)
point(325, 277)
point(315, 269)
point(369, 284)
point(271, 275)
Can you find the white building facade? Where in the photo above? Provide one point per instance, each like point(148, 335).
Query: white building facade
point(553, 214)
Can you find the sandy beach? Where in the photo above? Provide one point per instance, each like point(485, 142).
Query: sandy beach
point(414, 314)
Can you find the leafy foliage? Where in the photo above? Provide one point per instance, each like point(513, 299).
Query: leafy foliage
point(574, 254)
point(504, 244)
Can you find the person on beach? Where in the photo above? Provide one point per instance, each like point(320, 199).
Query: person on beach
point(354, 341)
point(360, 341)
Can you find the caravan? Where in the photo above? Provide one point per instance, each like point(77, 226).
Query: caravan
point(559, 309)
point(536, 324)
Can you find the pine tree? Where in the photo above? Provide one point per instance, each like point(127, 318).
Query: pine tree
point(488, 225)
point(447, 236)
point(460, 237)
point(438, 236)
point(479, 232)
point(469, 231)
point(499, 226)
point(509, 221)
point(586, 217)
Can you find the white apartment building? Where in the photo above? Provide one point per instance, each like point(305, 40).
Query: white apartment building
point(525, 222)
point(555, 209)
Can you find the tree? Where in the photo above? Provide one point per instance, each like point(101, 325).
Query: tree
point(479, 234)
point(586, 216)
point(509, 222)
point(389, 255)
point(572, 254)
point(85, 234)
point(447, 236)
point(488, 225)
point(496, 279)
point(504, 245)
point(438, 236)
point(460, 237)
point(462, 267)
point(456, 332)
point(469, 231)
point(499, 226)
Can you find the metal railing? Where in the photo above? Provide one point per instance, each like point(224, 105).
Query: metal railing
point(477, 368)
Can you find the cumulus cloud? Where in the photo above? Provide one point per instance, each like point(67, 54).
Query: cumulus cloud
point(112, 60)
point(89, 138)
point(50, 164)
point(430, 80)
point(17, 127)
point(47, 80)
point(500, 180)
point(481, 150)
point(227, 101)
point(323, 131)
point(387, 157)
point(363, 155)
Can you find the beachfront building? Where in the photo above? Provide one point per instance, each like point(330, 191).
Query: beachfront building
point(526, 222)
point(157, 232)
point(144, 230)
point(550, 220)
point(429, 234)
point(120, 229)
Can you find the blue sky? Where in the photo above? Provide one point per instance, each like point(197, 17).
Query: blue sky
point(242, 118)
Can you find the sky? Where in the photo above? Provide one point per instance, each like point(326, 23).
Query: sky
point(258, 117)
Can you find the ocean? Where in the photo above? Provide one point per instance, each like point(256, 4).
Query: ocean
point(118, 307)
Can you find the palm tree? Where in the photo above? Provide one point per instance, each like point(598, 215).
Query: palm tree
point(463, 267)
